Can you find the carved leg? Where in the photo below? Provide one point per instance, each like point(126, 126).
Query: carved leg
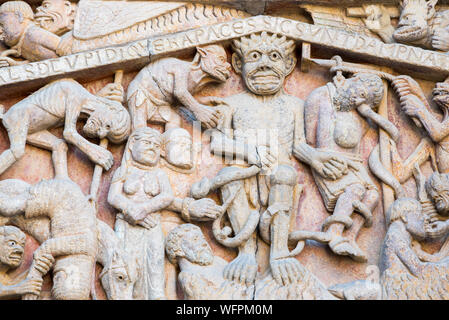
point(17, 136)
point(174, 121)
point(341, 218)
point(138, 110)
point(244, 267)
point(370, 202)
point(48, 141)
point(154, 272)
point(13, 197)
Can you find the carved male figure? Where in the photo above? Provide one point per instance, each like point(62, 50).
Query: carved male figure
point(12, 247)
point(201, 273)
point(59, 103)
point(156, 89)
point(336, 117)
point(72, 244)
point(254, 124)
point(23, 37)
point(404, 275)
point(140, 190)
point(419, 24)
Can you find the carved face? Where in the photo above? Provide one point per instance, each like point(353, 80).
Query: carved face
point(264, 69)
point(55, 16)
point(441, 200)
point(441, 95)
point(196, 248)
point(146, 150)
point(11, 27)
point(12, 249)
point(415, 222)
point(179, 149)
point(116, 280)
point(349, 96)
point(96, 126)
point(214, 62)
point(413, 23)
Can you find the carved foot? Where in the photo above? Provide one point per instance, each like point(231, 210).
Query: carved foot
point(344, 247)
point(242, 269)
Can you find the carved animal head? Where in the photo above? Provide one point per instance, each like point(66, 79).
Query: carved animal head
point(437, 186)
point(116, 278)
point(14, 17)
point(178, 148)
point(213, 61)
point(409, 211)
point(12, 246)
point(441, 95)
point(413, 24)
point(264, 61)
point(109, 119)
point(56, 16)
point(187, 241)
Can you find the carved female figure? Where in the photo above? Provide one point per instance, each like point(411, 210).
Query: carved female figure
point(139, 190)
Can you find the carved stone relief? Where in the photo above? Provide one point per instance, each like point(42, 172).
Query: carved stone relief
point(203, 152)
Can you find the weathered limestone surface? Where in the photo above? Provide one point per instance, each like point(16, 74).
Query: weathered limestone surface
point(224, 150)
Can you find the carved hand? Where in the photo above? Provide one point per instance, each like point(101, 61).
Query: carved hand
point(7, 62)
point(148, 222)
point(405, 85)
point(267, 159)
point(242, 269)
point(204, 210)
point(209, 116)
point(412, 106)
point(43, 261)
point(212, 101)
point(252, 155)
point(102, 157)
point(135, 214)
point(329, 166)
point(378, 19)
point(440, 39)
point(112, 91)
point(285, 270)
point(28, 286)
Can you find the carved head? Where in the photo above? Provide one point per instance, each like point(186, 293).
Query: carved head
point(441, 95)
point(362, 88)
point(437, 186)
point(56, 16)
point(115, 278)
point(109, 119)
point(264, 61)
point(413, 23)
point(14, 18)
point(178, 148)
point(12, 246)
point(144, 145)
point(213, 61)
point(409, 211)
point(187, 241)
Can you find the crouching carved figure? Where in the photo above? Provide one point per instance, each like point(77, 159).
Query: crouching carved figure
point(72, 243)
point(63, 102)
